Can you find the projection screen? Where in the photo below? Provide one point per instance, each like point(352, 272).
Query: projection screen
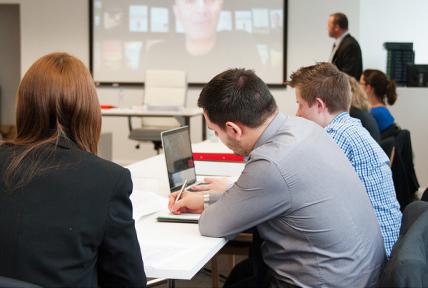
point(202, 37)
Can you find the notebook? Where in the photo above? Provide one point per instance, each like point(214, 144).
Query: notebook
point(179, 158)
point(181, 218)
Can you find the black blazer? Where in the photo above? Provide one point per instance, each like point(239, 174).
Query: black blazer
point(367, 121)
point(347, 57)
point(71, 225)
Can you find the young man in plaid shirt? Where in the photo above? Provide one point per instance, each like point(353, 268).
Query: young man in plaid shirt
point(323, 95)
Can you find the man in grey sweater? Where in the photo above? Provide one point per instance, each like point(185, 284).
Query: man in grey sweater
point(297, 188)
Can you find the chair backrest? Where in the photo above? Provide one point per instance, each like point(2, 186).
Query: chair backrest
point(387, 145)
point(407, 266)
point(14, 283)
point(165, 88)
point(398, 147)
point(425, 195)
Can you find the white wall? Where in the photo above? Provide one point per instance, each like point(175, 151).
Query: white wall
point(307, 24)
point(392, 21)
point(53, 25)
point(409, 112)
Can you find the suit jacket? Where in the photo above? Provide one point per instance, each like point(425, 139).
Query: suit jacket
point(367, 121)
point(347, 57)
point(72, 224)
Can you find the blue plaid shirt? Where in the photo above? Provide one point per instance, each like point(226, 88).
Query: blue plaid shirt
point(372, 166)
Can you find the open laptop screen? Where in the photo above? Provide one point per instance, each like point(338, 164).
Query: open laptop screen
point(178, 156)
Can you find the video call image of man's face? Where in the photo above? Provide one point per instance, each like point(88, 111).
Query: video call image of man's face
point(131, 36)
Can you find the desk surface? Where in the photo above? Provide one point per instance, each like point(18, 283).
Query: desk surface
point(170, 250)
point(142, 111)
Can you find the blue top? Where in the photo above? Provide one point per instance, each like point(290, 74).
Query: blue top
point(372, 167)
point(383, 117)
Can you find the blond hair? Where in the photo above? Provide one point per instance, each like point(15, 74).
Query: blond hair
point(359, 97)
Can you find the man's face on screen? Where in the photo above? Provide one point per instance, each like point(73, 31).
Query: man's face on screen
point(198, 17)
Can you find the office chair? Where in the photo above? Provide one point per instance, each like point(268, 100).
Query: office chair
point(398, 147)
point(407, 266)
point(164, 90)
point(425, 195)
point(14, 283)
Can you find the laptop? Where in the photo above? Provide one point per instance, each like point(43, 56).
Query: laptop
point(179, 158)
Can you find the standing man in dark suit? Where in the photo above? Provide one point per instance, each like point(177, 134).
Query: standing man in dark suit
point(346, 52)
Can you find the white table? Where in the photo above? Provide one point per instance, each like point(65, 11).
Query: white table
point(173, 250)
point(184, 113)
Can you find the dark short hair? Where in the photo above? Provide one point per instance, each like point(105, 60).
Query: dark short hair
point(237, 95)
point(323, 81)
point(341, 20)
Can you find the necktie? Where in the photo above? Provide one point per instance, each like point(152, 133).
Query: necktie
point(330, 59)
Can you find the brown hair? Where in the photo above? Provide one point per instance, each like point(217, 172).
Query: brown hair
point(340, 19)
point(382, 86)
point(56, 97)
point(323, 81)
point(359, 97)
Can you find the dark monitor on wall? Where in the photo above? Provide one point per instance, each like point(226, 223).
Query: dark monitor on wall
point(417, 75)
point(203, 38)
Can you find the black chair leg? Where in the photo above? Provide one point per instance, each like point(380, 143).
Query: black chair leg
point(158, 146)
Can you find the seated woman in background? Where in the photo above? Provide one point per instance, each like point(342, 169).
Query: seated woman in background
point(360, 109)
point(65, 214)
point(378, 88)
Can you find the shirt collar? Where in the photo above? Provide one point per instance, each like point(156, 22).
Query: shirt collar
point(339, 40)
point(340, 118)
point(64, 142)
point(271, 129)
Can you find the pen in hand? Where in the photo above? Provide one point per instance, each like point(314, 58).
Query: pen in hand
point(181, 191)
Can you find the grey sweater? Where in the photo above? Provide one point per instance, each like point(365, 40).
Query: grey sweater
point(309, 206)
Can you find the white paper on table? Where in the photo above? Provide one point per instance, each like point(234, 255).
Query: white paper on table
point(146, 203)
point(157, 256)
point(145, 183)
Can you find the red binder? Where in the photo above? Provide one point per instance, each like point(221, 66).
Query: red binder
point(223, 157)
point(107, 106)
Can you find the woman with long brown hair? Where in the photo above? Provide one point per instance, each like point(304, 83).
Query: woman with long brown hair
point(65, 214)
point(380, 91)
